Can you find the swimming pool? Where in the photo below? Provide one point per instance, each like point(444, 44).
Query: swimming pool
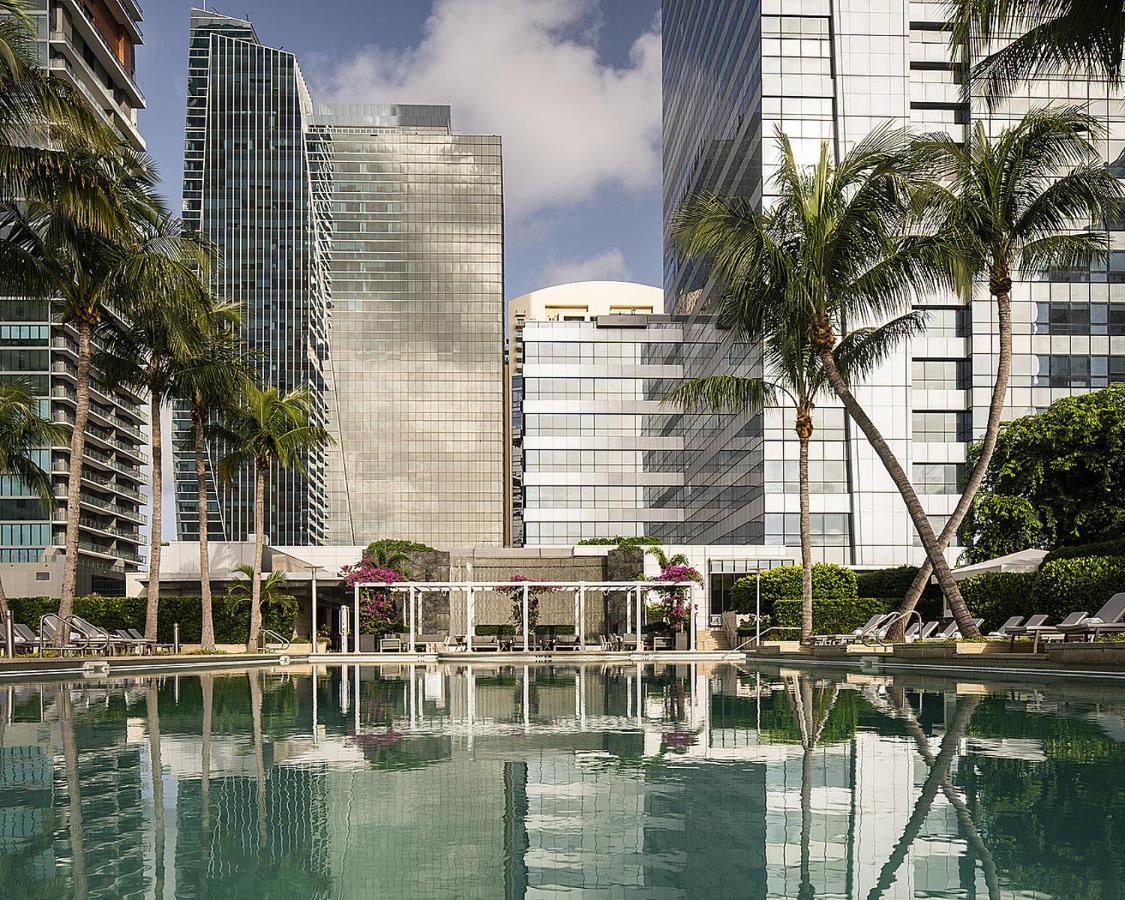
point(508, 781)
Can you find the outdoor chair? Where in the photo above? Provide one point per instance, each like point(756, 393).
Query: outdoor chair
point(629, 642)
point(927, 629)
point(49, 629)
point(130, 643)
point(423, 642)
point(23, 638)
point(866, 632)
point(1042, 632)
point(661, 642)
point(147, 645)
point(390, 644)
point(1004, 630)
point(486, 644)
point(97, 639)
point(567, 642)
point(1107, 620)
point(1031, 626)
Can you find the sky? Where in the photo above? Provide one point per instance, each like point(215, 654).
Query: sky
point(572, 87)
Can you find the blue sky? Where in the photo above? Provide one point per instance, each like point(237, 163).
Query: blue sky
point(573, 86)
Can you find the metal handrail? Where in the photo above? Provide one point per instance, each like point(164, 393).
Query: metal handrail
point(70, 629)
point(892, 620)
point(280, 640)
point(756, 639)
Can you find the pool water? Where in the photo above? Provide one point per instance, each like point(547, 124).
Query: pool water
point(598, 781)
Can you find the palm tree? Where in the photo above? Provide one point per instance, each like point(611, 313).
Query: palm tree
point(163, 327)
point(206, 380)
point(1054, 36)
point(267, 428)
point(94, 275)
point(664, 560)
point(23, 436)
point(705, 229)
point(1022, 201)
point(842, 239)
point(272, 587)
point(385, 558)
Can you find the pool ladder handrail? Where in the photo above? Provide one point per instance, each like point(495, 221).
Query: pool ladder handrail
point(893, 619)
point(282, 642)
point(67, 623)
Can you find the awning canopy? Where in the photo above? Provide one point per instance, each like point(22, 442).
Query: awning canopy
point(1022, 561)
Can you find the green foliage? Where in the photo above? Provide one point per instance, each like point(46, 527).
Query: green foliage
point(618, 541)
point(1056, 479)
point(892, 584)
point(394, 545)
point(997, 596)
point(841, 615)
point(231, 614)
point(1084, 582)
point(1112, 547)
point(828, 581)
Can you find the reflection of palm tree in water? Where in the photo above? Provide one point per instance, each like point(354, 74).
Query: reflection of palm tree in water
point(207, 686)
point(152, 712)
point(259, 755)
point(812, 709)
point(73, 791)
point(937, 779)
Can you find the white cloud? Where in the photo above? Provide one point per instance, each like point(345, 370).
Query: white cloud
point(528, 71)
point(608, 266)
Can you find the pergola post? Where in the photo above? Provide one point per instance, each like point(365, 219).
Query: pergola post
point(582, 616)
point(412, 629)
point(355, 635)
point(640, 621)
point(469, 617)
point(577, 598)
point(312, 614)
point(525, 601)
point(691, 617)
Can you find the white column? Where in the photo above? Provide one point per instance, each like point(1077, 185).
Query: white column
point(526, 700)
point(469, 617)
point(582, 697)
point(628, 612)
point(526, 629)
point(577, 598)
point(412, 629)
point(312, 612)
point(355, 630)
point(413, 693)
point(691, 616)
point(355, 698)
point(315, 711)
point(640, 695)
point(582, 616)
point(640, 619)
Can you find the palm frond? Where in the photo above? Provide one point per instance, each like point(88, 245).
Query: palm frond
point(724, 394)
point(864, 349)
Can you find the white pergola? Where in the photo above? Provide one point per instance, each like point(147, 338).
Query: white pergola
point(635, 590)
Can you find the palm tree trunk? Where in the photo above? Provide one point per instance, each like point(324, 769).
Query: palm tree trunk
point(4, 612)
point(207, 684)
point(256, 585)
point(906, 489)
point(74, 475)
point(804, 433)
point(1003, 296)
point(73, 793)
point(152, 606)
point(152, 710)
point(259, 754)
point(207, 630)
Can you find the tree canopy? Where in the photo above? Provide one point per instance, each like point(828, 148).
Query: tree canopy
point(1057, 479)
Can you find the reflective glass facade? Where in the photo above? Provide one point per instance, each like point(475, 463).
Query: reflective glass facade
point(414, 374)
point(734, 71)
point(253, 185)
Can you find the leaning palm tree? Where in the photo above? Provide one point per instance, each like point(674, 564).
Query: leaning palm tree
point(92, 275)
point(24, 436)
point(208, 377)
point(1032, 199)
point(705, 228)
point(1047, 37)
point(843, 239)
point(266, 429)
point(163, 327)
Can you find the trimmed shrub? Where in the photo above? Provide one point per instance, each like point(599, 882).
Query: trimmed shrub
point(997, 596)
point(1084, 582)
point(231, 615)
point(828, 581)
point(841, 615)
point(1112, 547)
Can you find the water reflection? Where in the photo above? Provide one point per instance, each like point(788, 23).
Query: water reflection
point(678, 781)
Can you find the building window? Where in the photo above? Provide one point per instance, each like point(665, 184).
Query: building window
point(827, 529)
point(940, 375)
point(938, 478)
point(945, 427)
point(947, 321)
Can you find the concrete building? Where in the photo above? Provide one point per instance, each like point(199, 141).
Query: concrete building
point(254, 185)
point(582, 360)
point(415, 348)
point(90, 45)
point(734, 72)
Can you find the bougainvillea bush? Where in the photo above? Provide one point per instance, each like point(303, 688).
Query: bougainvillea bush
point(675, 601)
point(533, 597)
point(378, 607)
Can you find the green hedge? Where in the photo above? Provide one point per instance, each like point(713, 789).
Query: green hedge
point(997, 596)
point(1085, 582)
point(231, 615)
point(1112, 547)
point(829, 581)
point(832, 616)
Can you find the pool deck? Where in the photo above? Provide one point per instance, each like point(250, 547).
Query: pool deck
point(1063, 660)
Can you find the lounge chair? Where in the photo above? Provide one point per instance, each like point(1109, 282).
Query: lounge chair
point(919, 631)
point(391, 643)
point(486, 644)
point(423, 641)
point(23, 638)
point(518, 646)
point(1004, 630)
point(868, 631)
point(131, 643)
point(97, 639)
point(567, 642)
point(1107, 620)
point(49, 626)
point(1040, 631)
point(661, 642)
point(149, 646)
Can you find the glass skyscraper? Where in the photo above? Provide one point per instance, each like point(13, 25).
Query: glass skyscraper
point(414, 375)
point(253, 185)
point(90, 45)
point(734, 72)
point(365, 244)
